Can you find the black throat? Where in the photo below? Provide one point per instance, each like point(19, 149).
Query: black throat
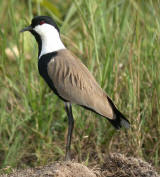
point(39, 41)
point(42, 67)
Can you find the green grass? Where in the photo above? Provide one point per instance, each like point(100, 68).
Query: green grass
point(119, 42)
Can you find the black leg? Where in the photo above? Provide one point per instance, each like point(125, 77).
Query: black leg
point(68, 109)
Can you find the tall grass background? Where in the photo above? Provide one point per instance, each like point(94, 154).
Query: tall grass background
point(119, 42)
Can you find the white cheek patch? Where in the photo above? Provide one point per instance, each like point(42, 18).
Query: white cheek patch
point(50, 37)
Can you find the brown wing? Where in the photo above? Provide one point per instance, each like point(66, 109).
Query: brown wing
point(76, 84)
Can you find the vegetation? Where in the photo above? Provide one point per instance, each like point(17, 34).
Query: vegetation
point(119, 42)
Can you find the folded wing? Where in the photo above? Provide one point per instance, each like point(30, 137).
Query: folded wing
point(76, 84)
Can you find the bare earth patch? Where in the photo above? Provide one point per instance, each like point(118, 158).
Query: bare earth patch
point(115, 165)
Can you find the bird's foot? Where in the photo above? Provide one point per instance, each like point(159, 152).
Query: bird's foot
point(67, 156)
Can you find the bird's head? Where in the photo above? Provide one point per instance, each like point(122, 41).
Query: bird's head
point(46, 33)
point(42, 25)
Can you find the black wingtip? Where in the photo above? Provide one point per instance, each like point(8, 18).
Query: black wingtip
point(120, 120)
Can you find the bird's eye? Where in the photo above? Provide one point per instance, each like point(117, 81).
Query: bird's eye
point(42, 22)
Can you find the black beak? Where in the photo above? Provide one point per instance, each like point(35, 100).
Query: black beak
point(28, 28)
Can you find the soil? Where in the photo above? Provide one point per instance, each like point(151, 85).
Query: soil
point(115, 165)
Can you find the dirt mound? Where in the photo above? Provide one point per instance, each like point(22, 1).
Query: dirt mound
point(60, 169)
point(115, 165)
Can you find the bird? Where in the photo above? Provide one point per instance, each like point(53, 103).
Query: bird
point(69, 78)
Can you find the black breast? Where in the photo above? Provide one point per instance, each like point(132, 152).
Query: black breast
point(42, 67)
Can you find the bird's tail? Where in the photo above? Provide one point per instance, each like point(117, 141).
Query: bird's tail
point(120, 120)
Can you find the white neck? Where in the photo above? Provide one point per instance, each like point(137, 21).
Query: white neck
point(51, 41)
